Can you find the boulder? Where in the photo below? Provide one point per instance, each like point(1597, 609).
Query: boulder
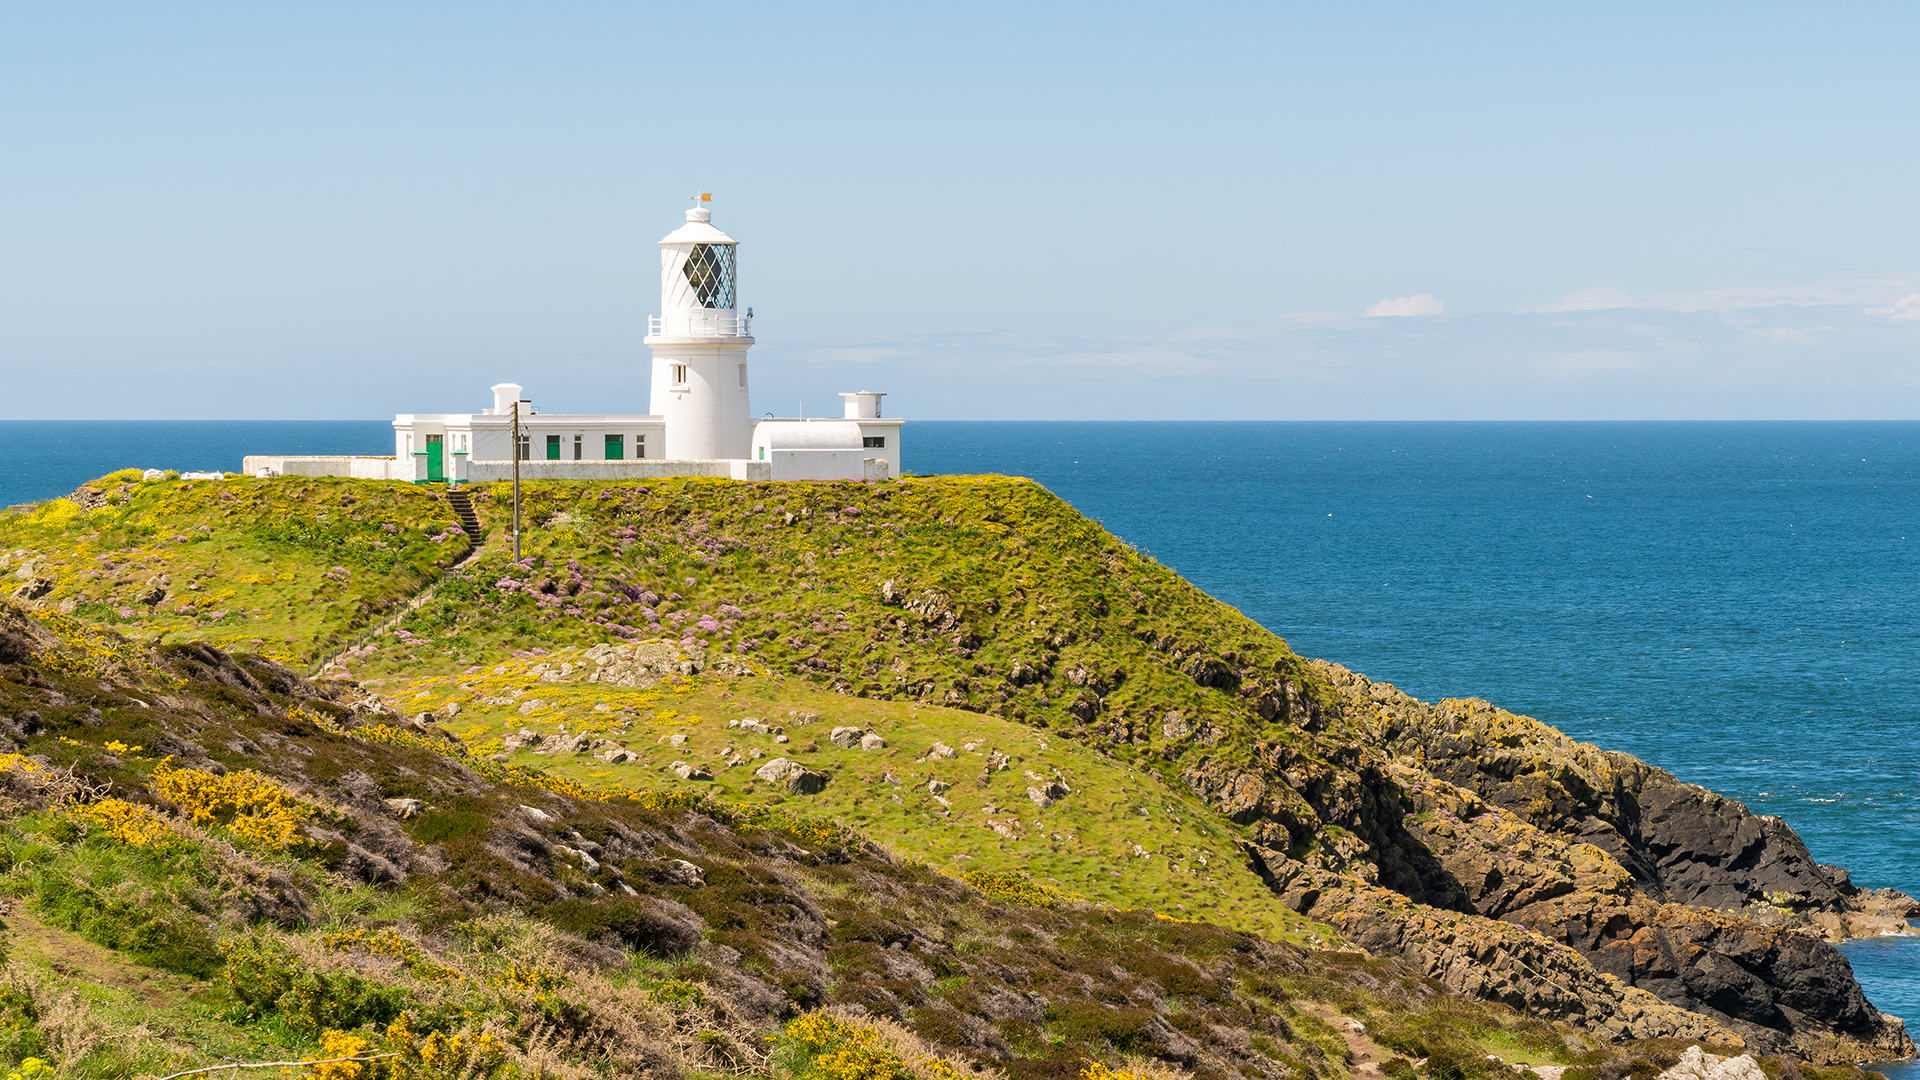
point(1048, 795)
point(688, 772)
point(942, 751)
point(796, 778)
point(938, 787)
point(1697, 1064)
point(683, 873)
point(872, 741)
point(406, 808)
point(845, 738)
point(640, 666)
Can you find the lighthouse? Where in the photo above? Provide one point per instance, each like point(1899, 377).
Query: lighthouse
point(699, 423)
point(700, 342)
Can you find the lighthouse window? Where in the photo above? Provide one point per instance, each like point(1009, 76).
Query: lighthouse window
point(526, 448)
point(577, 440)
point(679, 374)
point(709, 270)
point(639, 446)
point(743, 374)
point(874, 442)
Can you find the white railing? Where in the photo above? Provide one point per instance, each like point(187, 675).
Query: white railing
point(700, 324)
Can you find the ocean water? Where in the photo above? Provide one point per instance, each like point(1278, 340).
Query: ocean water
point(1736, 602)
point(40, 459)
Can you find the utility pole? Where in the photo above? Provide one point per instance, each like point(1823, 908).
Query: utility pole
point(516, 481)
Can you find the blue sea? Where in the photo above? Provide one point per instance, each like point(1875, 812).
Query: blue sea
point(1736, 602)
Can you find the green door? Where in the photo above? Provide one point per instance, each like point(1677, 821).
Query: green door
point(553, 448)
point(436, 464)
point(616, 447)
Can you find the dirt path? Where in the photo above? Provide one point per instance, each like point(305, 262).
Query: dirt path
point(71, 956)
point(414, 602)
point(1364, 1056)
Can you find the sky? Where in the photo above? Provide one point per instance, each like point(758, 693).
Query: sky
point(991, 211)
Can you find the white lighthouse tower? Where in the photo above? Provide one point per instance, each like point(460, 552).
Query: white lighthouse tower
point(699, 424)
point(700, 342)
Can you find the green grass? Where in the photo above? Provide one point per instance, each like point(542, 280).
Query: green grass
point(288, 567)
point(1122, 837)
point(978, 612)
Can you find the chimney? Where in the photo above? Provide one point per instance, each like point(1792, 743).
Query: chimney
point(504, 395)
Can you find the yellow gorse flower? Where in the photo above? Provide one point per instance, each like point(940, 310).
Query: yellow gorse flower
point(32, 1068)
point(128, 823)
point(439, 1056)
point(388, 943)
point(251, 806)
point(840, 1050)
point(339, 1044)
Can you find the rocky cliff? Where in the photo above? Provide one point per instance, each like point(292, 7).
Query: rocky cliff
point(1610, 877)
point(1483, 849)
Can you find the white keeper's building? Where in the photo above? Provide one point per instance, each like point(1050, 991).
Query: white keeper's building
point(699, 421)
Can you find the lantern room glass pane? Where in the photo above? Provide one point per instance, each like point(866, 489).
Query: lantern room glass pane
point(710, 271)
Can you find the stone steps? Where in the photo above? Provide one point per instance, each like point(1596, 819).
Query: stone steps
point(470, 521)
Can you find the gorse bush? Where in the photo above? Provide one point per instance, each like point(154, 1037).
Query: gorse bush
point(825, 1045)
point(468, 1055)
point(1016, 889)
point(335, 1045)
point(250, 805)
point(128, 823)
point(266, 976)
point(33, 1068)
point(387, 943)
point(819, 1046)
point(400, 1053)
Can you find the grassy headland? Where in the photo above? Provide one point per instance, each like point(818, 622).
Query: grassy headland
point(525, 808)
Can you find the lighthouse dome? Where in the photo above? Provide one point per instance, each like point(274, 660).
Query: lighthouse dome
point(698, 230)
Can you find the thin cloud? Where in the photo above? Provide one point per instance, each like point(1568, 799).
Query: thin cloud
point(1417, 304)
point(1905, 309)
point(1844, 293)
point(1601, 299)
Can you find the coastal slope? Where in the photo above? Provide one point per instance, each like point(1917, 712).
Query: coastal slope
point(1480, 848)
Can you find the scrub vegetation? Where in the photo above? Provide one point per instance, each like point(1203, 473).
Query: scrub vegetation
point(288, 568)
point(411, 803)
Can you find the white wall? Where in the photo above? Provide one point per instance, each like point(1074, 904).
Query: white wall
point(817, 464)
point(708, 416)
point(415, 468)
point(737, 468)
point(891, 452)
point(360, 468)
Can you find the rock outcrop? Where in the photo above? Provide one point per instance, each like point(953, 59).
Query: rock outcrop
point(1511, 862)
